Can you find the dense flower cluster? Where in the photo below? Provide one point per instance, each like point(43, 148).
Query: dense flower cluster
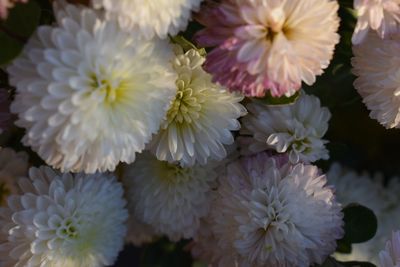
point(148, 136)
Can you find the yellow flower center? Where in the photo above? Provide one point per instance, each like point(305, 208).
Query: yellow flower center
point(173, 173)
point(111, 91)
point(187, 104)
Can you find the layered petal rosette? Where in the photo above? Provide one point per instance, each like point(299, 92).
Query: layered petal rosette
point(63, 220)
point(274, 45)
point(89, 94)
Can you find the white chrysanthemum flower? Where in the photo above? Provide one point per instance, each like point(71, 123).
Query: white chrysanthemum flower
point(63, 220)
point(89, 94)
point(168, 197)
point(351, 187)
point(271, 213)
point(13, 165)
point(376, 62)
point(390, 256)
point(296, 129)
point(200, 118)
point(368, 191)
point(150, 17)
point(382, 16)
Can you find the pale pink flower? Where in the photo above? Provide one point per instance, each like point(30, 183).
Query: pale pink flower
point(390, 257)
point(382, 16)
point(376, 63)
point(267, 212)
point(271, 45)
point(7, 4)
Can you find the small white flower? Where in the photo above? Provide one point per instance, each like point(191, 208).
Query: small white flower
point(376, 63)
point(13, 165)
point(269, 213)
point(200, 118)
point(296, 129)
point(368, 191)
point(168, 197)
point(382, 16)
point(63, 220)
point(150, 17)
point(88, 94)
point(390, 256)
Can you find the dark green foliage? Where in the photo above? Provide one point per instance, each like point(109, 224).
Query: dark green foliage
point(331, 262)
point(360, 224)
point(269, 100)
point(15, 31)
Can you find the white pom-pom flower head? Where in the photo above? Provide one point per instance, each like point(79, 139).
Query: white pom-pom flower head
point(63, 220)
point(375, 63)
point(271, 213)
point(296, 129)
point(89, 94)
point(168, 197)
point(151, 17)
point(201, 117)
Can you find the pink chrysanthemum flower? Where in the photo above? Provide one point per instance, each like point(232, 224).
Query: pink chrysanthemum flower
point(271, 45)
point(7, 4)
point(269, 213)
point(5, 116)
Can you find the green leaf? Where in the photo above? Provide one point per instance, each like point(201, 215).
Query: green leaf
point(269, 100)
point(199, 264)
point(10, 48)
point(343, 247)
point(22, 20)
point(15, 31)
point(360, 224)
point(357, 264)
point(187, 45)
point(331, 262)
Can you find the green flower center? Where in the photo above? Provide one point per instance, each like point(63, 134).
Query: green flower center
point(186, 106)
